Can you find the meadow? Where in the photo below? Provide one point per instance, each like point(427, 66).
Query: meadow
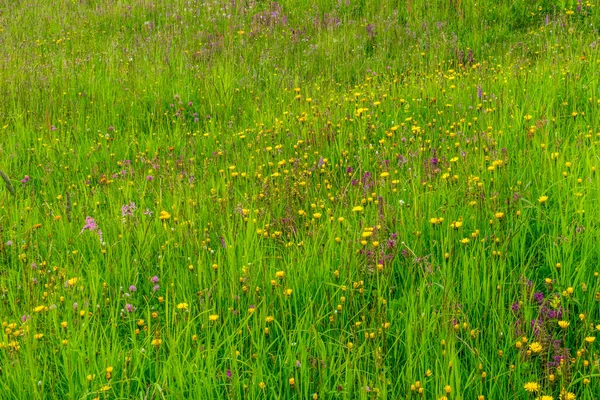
point(299, 200)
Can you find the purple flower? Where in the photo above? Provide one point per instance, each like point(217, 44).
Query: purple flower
point(149, 178)
point(90, 224)
point(228, 373)
point(538, 297)
point(129, 308)
point(155, 288)
point(25, 179)
point(132, 288)
point(515, 307)
point(24, 318)
point(9, 243)
point(154, 279)
point(128, 209)
point(479, 92)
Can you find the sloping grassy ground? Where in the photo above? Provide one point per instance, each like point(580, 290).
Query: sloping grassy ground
point(324, 199)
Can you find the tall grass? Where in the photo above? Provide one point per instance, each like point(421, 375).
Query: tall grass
point(344, 199)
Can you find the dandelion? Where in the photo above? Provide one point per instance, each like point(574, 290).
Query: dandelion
point(164, 215)
point(182, 306)
point(532, 387)
point(213, 317)
point(357, 209)
point(535, 347)
point(542, 199)
point(564, 324)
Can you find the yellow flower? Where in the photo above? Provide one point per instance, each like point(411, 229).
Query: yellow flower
point(72, 281)
point(292, 381)
point(262, 385)
point(532, 387)
point(280, 274)
point(384, 174)
point(499, 215)
point(546, 397)
point(563, 324)
point(213, 317)
point(270, 318)
point(182, 306)
point(565, 395)
point(39, 309)
point(590, 339)
point(542, 199)
point(535, 347)
point(317, 215)
point(357, 209)
point(156, 342)
point(164, 215)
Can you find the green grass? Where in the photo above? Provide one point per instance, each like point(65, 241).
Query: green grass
point(333, 200)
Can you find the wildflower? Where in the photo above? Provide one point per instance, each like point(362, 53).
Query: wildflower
point(535, 347)
point(128, 209)
point(90, 224)
point(154, 279)
point(280, 274)
point(545, 397)
point(213, 317)
point(563, 324)
point(499, 215)
point(156, 342)
point(532, 387)
point(590, 339)
point(566, 395)
point(182, 306)
point(292, 381)
point(132, 288)
point(39, 309)
point(357, 209)
point(262, 385)
point(164, 215)
point(542, 199)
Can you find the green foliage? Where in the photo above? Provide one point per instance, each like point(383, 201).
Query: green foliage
point(327, 200)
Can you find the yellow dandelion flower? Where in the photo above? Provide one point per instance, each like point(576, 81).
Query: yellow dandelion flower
point(182, 306)
point(532, 387)
point(590, 339)
point(564, 324)
point(535, 347)
point(542, 199)
point(357, 209)
point(164, 215)
point(213, 317)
